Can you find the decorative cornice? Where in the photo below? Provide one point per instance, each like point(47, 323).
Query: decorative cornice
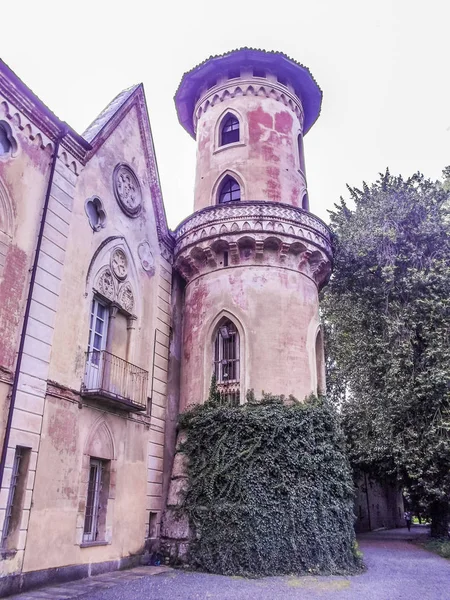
point(253, 233)
point(221, 67)
point(255, 86)
point(244, 48)
point(27, 105)
point(255, 210)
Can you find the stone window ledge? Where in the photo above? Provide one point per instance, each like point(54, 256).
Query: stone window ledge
point(227, 146)
point(89, 544)
point(6, 554)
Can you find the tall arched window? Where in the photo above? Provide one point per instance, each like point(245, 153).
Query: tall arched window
point(8, 145)
point(230, 191)
point(226, 361)
point(301, 153)
point(305, 201)
point(229, 130)
point(320, 363)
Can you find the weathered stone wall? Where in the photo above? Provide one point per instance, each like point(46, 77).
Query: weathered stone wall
point(62, 427)
point(276, 311)
point(24, 174)
point(175, 529)
point(138, 439)
point(266, 161)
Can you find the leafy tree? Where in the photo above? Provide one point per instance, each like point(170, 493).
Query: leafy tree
point(387, 314)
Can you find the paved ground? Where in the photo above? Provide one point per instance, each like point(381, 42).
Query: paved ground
point(397, 570)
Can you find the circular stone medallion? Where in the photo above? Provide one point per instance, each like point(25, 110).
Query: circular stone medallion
point(119, 264)
point(127, 190)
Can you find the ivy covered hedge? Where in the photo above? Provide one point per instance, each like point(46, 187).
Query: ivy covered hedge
point(269, 489)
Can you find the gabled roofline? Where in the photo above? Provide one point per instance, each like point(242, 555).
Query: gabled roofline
point(109, 120)
point(16, 92)
point(83, 148)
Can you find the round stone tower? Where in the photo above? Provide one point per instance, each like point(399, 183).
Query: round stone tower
point(252, 255)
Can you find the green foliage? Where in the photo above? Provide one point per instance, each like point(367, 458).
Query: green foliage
point(270, 489)
point(214, 394)
point(439, 546)
point(387, 314)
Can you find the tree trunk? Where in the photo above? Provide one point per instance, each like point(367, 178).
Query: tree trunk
point(440, 516)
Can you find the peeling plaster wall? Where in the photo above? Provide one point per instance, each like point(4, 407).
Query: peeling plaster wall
point(277, 310)
point(23, 181)
point(61, 477)
point(23, 184)
point(265, 160)
point(60, 490)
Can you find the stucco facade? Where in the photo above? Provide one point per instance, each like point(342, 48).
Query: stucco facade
point(85, 294)
point(111, 324)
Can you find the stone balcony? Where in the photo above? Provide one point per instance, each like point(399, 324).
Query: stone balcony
point(255, 232)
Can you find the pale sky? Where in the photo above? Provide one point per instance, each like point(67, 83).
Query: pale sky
point(383, 67)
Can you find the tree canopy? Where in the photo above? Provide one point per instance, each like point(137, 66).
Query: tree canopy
point(387, 317)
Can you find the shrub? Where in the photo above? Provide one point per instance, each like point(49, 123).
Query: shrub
point(270, 490)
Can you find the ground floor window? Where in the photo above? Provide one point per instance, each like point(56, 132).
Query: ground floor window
point(16, 497)
point(226, 361)
point(96, 502)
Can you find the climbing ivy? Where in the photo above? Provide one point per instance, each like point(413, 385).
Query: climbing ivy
point(269, 489)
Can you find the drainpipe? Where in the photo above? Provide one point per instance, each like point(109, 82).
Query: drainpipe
point(28, 306)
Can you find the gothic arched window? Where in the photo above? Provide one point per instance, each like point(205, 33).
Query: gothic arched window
point(226, 353)
point(301, 153)
point(229, 131)
point(320, 363)
point(230, 191)
point(8, 145)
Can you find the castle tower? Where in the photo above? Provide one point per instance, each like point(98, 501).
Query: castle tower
point(252, 255)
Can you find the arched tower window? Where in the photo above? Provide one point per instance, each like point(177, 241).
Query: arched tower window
point(320, 363)
point(301, 154)
point(226, 361)
point(230, 191)
point(8, 145)
point(305, 201)
point(229, 131)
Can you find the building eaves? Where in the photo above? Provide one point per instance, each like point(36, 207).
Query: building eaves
point(224, 54)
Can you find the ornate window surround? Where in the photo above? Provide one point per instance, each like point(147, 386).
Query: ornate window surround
point(209, 347)
point(101, 213)
point(243, 131)
point(117, 289)
point(218, 185)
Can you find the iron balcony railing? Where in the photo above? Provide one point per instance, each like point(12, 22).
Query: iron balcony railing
point(110, 378)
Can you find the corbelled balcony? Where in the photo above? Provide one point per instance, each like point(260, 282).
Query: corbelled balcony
point(115, 381)
point(245, 231)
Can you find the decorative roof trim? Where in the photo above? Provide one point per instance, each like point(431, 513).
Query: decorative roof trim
point(32, 107)
point(193, 81)
point(135, 98)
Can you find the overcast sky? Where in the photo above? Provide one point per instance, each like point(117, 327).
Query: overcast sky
point(383, 67)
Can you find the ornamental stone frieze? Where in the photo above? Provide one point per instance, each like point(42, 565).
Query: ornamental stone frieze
point(111, 282)
point(254, 232)
point(256, 86)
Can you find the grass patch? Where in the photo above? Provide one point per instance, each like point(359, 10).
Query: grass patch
point(439, 546)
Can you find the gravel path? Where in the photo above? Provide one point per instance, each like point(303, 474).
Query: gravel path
point(397, 570)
